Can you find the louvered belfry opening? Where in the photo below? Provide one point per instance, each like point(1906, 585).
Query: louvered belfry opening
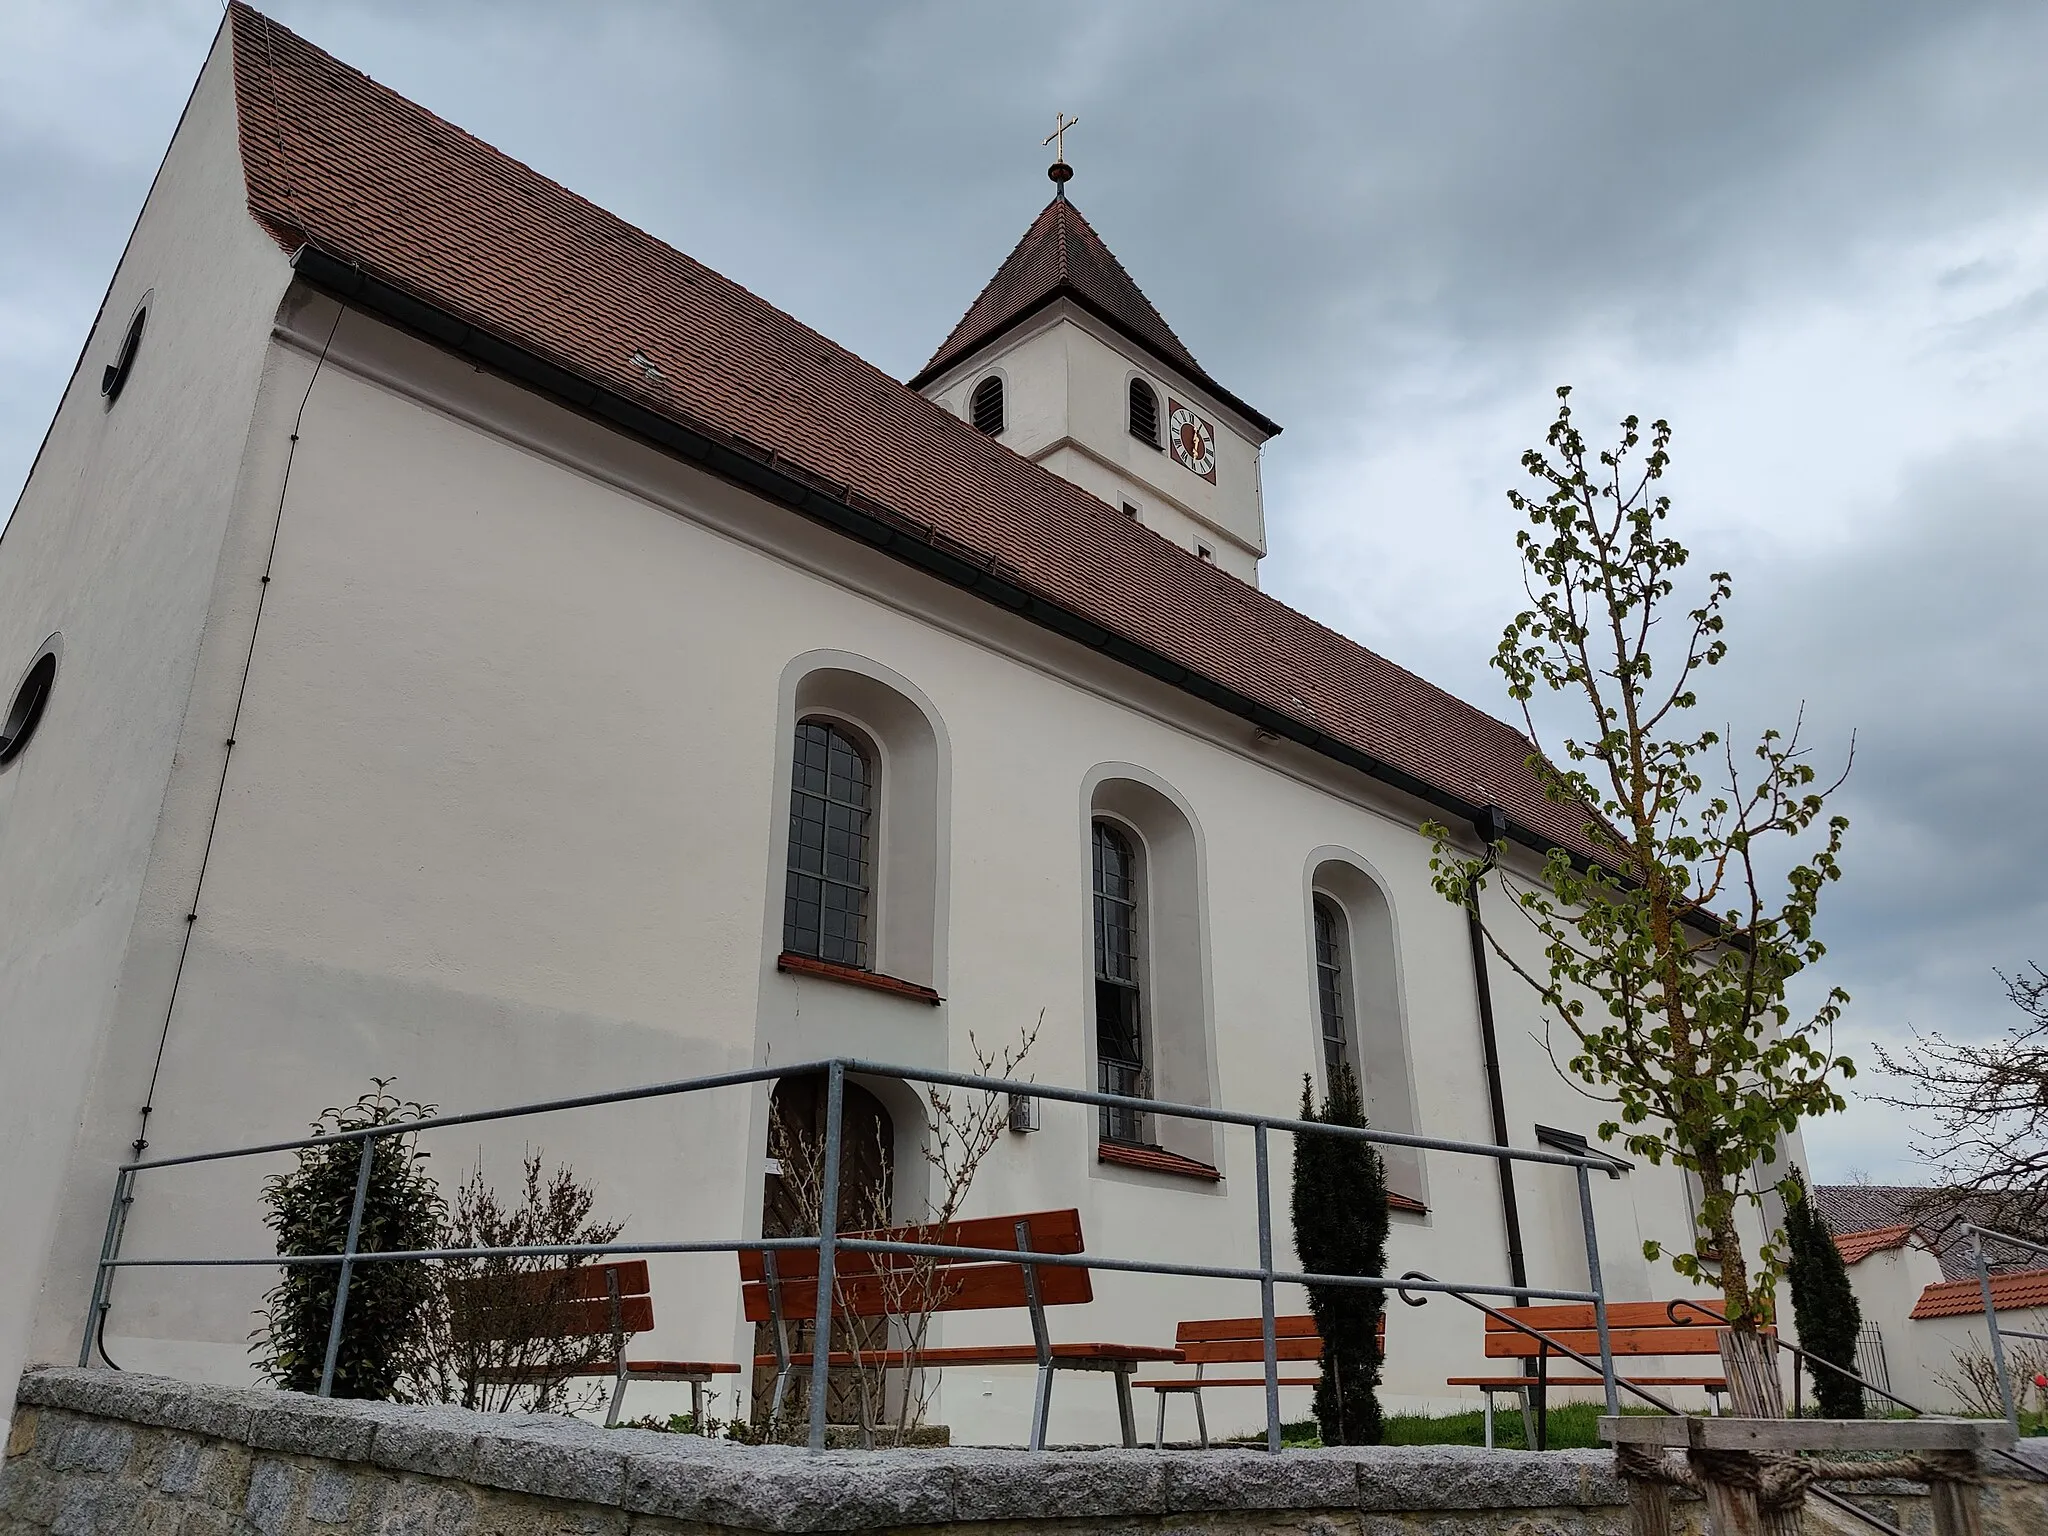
point(987, 405)
point(1144, 413)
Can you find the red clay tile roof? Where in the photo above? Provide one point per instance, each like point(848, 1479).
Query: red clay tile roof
point(1861, 1245)
point(1061, 256)
point(2017, 1290)
point(335, 160)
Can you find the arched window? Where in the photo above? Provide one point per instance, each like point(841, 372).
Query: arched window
point(985, 406)
point(825, 903)
point(1331, 945)
point(1355, 1003)
point(1144, 413)
point(1119, 1032)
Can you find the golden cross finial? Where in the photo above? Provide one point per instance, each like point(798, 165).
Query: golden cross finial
point(1058, 137)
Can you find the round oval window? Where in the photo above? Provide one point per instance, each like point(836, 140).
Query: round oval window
point(25, 708)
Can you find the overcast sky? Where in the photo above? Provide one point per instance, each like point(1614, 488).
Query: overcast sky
point(1814, 236)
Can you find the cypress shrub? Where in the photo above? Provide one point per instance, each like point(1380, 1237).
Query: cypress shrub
point(1340, 1228)
point(1823, 1303)
point(389, 1304)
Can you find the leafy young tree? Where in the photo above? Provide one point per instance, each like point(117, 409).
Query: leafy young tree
point(1989, 1106)
point(308, 1209)
point(1340, 1228)
point(1668, 954)
point(1823, 1303)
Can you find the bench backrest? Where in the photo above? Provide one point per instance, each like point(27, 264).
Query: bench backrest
point(881, 1284)
point(553, 1303)
point(1239, 1340)
point(1638, 1328)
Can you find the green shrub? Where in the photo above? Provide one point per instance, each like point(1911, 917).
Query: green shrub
point(1823, 1303)
point(1340, 1228)
point(388, 1303)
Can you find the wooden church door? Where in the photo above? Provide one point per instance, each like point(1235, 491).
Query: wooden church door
point(790, 1203)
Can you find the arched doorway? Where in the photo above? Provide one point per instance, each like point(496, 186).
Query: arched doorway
point(790, 1203)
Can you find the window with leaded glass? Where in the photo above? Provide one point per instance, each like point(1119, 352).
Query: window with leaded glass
point(831, 806)
point(1330, 989)
point(1119, 1036)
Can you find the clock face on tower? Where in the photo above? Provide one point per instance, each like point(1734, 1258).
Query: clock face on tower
point(1192, 440)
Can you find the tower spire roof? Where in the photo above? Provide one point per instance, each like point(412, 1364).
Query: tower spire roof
point(1061, 256)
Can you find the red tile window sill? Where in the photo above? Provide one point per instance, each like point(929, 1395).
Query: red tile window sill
point(854, 976)
point(1406, 1203)
point(1155, 1160)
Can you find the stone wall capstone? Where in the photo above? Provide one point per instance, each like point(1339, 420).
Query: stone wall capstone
point(104, 1451)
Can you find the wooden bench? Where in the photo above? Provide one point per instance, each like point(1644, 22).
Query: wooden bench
point(1635, 1330)
point(780, 1288)
point(584, 1302)
point(1238, 1341)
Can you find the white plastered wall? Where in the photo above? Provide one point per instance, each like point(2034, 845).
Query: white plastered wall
point(114, 543)
point(501, 822)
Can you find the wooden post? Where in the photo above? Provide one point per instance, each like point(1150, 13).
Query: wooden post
point(1650, 1508)
point(1957, 1506)
point(1733, 1511)
point(1749, 1360)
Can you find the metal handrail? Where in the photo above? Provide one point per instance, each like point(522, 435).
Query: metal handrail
point(829, 1241)
point(1999, 1335)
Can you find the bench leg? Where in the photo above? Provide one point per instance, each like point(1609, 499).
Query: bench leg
point(1487, 1393)
point(1201, 1419)
point(1041, 1406)
point(1127, 1414)
point(697, 1407)
point(1159, 1429)
point(611, 1411)
point(1528, 1420)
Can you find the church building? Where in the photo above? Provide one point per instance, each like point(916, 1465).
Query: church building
point(451, 636)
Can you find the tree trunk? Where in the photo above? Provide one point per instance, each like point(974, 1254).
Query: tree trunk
point(1749, 1360)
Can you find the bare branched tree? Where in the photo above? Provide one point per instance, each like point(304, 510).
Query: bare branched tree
point(497, 1339)
point(960, 1132)
point(1988, 1104)
point(1973, 1378)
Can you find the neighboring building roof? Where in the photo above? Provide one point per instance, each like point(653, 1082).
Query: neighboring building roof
point(1061, 256)
point(504, 265)
point(2016, 1290)
point(1856, 1246)
point(1934, 1215)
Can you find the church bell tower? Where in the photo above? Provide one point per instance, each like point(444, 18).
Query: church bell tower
point(1065, 361)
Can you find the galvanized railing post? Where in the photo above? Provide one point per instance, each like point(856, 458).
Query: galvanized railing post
point(828, 1245)
point(103, 1276)
point(2012, 1412)
point(1266, 1325)
point(348, 1264)
point(1599, 1290)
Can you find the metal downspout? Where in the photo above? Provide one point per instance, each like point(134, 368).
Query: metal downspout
point(1491, 825)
